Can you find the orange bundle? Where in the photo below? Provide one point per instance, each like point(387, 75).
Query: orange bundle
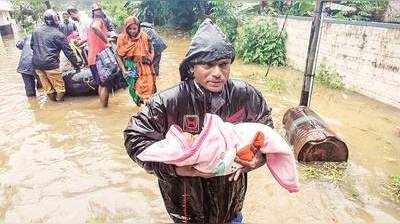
point(247, 152)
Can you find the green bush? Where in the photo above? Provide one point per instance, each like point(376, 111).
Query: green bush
point(223, 15)
point(27, 13)
point(259, 42)
point(117, 10)
point(302, 7)
point(177, 13)
point(329, 77)
point(370, 10)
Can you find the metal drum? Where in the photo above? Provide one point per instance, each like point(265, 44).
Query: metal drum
point(311, 138)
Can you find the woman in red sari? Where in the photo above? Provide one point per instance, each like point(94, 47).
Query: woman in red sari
point(136, 45)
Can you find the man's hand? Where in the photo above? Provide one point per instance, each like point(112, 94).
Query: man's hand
point(146, 60)
point(190, 171)
point(257, 161)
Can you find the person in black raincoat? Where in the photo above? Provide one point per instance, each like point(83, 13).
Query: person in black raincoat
point(191, 196)
point(25, 67)
point(67, 27)
point(46, 43)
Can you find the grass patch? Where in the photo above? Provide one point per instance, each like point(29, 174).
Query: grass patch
point(393, 187)
point(326, 171)
point(329, 77)
point(275, 84)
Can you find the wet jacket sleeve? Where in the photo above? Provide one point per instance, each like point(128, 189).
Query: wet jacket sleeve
point(63, 43)
point(257, 108)
point(145, 128)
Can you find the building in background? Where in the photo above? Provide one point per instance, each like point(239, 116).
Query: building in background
point(6, 23)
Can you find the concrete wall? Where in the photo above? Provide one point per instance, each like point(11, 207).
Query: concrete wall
point(366, 55)
point(5, 18)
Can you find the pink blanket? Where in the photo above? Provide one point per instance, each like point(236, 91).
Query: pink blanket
point(215, 148)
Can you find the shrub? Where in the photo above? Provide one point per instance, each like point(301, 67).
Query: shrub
point(27, 13)
point(117, 10)
point(329, 77)
point(302, 7)
point(259, 42)
point(223, 15)
point(371, 10)
point(178, 13)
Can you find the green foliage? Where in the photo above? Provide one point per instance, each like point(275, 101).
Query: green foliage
point(259, 42)
point(177, 13)
point(223, 15)
point(392, 188)
point(329, 77)
point(162, 13)
point(370, 10)
point(276, 84)
point(367, 10)
point(327, 171)
point(302, 7)
point(117, 10)
point(28, 13)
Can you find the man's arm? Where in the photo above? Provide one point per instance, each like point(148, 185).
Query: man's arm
point(146, 127)
point(63, 43)
point(257, 111)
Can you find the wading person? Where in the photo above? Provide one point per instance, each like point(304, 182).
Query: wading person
point(135, 49)
point(67, 27)
point(157, 42)
point(47, 42)
point(189, 195)
point(97, 42)
point(81, 24)
point(25, 67)
point(107, 20)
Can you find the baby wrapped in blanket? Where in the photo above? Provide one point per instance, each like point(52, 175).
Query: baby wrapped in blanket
point(215, 148)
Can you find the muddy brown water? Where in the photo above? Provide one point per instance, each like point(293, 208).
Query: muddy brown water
point(65, 162)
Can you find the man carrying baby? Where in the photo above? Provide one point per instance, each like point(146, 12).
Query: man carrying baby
point(189, 195)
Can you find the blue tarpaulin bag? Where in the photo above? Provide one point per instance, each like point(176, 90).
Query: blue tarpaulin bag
point(106, 64)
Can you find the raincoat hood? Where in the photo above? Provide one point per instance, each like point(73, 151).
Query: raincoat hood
point(208, 44)
point(129, 21)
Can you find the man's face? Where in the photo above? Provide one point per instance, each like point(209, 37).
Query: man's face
point(213, 75)
point(133, 30)
point(97, 13)
point(65, 17)
point(74, 16)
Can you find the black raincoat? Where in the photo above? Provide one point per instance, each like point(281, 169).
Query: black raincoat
point(46, 43)
point(195, 199)
point(25, 61)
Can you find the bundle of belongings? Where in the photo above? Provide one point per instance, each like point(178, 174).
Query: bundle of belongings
point(215, 148)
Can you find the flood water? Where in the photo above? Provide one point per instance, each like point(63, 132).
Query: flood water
point(65, 162)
